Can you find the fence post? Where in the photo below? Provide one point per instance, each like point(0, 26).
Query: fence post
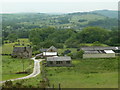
point(59, 87)
point(53, 86)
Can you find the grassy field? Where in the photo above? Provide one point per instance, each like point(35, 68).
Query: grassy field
point(88, 17)
point(10, 66)
point(74, 50)
point(29, 83)
point(34, 82)
point(86, 73)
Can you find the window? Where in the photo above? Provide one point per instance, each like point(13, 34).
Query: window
point(51, 62)
point(67, 62)
point(58, 62)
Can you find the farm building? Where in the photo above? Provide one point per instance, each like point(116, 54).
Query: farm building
point(43, 50)
point(22, 52)
point(99, 52)
point(52, 51)
point(59, 61)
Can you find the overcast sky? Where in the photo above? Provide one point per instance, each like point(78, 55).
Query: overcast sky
point(58, 6)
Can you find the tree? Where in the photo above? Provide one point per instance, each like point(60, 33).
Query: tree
point(114, 38)
point(79, 54)
point(12, 37)
point(92, 34)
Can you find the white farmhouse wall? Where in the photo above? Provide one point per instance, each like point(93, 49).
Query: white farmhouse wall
point(49, 53)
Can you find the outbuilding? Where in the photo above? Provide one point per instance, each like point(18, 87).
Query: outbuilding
point(99, 52)
point(59, 61)
point(50, 52)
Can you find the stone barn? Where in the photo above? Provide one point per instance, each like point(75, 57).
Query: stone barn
point(98, 52)
point(22, 52)
point(59, 61)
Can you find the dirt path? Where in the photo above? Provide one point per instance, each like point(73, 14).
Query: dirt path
point(36, 71)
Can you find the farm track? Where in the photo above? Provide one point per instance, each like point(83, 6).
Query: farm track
point(36, 71)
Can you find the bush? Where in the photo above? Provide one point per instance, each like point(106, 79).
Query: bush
point(72, 55)
point(8, 84)
point(66, 52)
point(96, 43)
point(79, 54)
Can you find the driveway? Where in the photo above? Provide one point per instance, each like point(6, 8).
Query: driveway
point(36, 71)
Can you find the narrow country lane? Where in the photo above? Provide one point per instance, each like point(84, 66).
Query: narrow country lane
point(36, 71)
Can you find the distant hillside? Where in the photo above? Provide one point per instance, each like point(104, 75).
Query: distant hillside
point(108, 13)
point(76, 21)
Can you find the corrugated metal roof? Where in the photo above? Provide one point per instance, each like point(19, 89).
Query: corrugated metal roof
point(66, 58)
point(43, 50)
point(99, 48)
point(91, 52)
point(109, 51)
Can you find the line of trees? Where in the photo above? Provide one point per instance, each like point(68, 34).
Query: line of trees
point(45, 37)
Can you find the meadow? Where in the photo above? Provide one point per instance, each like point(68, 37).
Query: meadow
point(11, 66)
point(34, 82)
point(85, 73)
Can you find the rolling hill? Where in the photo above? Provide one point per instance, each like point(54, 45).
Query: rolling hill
point(102, 18)
point(108, 13)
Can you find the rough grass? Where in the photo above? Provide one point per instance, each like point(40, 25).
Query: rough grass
point(30, 83)
point(74, 50)
point(34, 82)
point(86, 73)
point(10, 66)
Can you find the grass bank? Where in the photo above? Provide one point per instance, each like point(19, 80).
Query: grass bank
point(86, 73)
point(10, 66)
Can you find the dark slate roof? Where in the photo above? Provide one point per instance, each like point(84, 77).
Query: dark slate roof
point(21, 49)
point(52, 49)
point(43, 50)
point(91, 52)
point(118, 48)
point(62, 58)
point(39, 55)
point(99, 48)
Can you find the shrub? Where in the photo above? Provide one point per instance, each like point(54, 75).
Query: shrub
point(67, 51)
point(79, 54)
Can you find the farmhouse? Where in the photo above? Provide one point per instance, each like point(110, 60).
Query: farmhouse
point(59, 61)
point(99, 52)
point(52, 51)
point(22, 52)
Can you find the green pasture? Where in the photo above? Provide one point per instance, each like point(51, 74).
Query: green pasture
point(10, 66)
point(85, 73)
point(34, 82)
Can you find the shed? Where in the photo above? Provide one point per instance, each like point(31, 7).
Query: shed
point(99, 52)
point(59, 61)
